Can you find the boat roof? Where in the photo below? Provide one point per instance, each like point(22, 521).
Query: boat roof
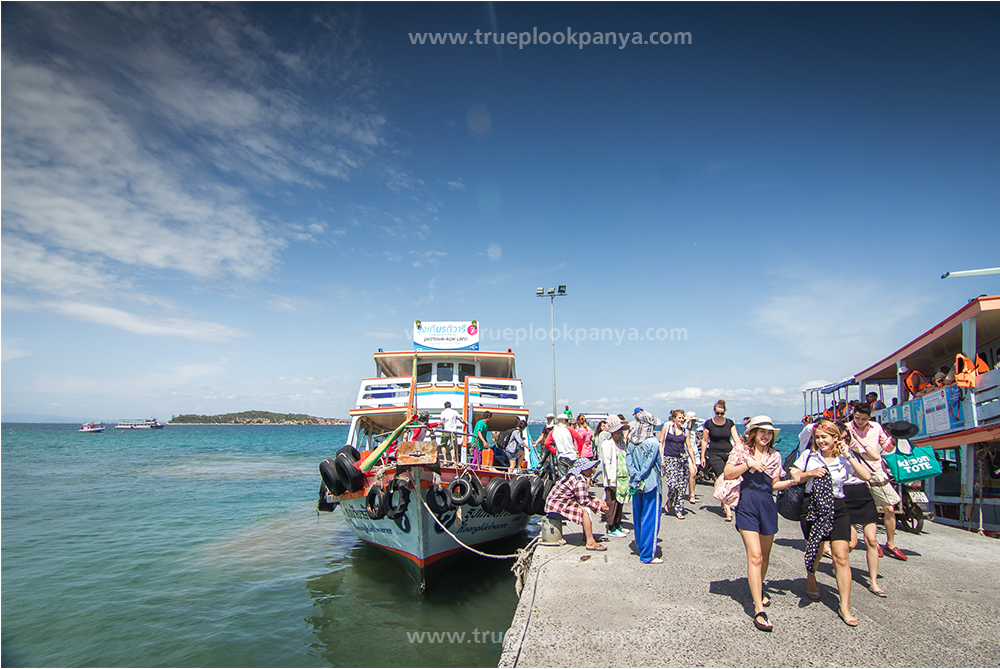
point(491, 363)
point(942, 341)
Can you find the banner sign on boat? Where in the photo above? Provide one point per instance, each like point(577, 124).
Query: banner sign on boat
point(446, 336)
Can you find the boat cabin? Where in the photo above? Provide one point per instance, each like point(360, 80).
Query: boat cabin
point(958, 412)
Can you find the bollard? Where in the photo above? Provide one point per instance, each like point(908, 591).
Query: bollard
point(551, 532)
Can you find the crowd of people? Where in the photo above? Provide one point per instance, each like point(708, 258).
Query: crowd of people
point(838, 465)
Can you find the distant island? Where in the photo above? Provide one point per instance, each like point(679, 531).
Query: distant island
point(256, 418)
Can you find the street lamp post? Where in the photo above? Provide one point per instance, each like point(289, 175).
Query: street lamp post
point(552, 294)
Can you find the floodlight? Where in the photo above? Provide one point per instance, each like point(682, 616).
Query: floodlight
point(539, 292)
point(562, 290)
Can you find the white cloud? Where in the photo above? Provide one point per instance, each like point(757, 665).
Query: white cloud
point(12, 349)
point(455, 185)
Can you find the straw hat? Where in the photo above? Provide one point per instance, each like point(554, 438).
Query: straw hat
point(762, 423)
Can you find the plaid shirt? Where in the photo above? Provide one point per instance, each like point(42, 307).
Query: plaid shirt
point(569, 497)
point(642, 428)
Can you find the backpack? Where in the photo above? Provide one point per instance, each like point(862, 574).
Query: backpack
point(504, 439)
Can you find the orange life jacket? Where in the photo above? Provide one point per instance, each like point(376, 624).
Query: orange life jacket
point(966, 372)
point(916, 382)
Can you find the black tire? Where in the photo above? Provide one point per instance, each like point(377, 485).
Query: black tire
point(322, 504)
point(478, 492)
point(439, 499)
point(354, 453)
point(537, 496)
point(375, 503)
point(350, 477)
point(520, 495)
point(398, 508)
point(328, 471)
point(545, 494)
point(496, 497)
point(460, 490)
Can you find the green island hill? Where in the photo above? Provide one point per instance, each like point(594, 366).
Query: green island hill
point(255, 418)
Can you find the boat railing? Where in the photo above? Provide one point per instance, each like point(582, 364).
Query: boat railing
point(389, 391)
point(986, 404)
point(490, 391)
point(949, 408)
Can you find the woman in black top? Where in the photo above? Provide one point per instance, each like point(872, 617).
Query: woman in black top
point(718, 438)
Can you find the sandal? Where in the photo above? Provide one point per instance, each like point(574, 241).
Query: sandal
point(765, 601)
point(850, 622)
point(812, 595)
point(764, 626)
point(680, 516)
point(597, 547)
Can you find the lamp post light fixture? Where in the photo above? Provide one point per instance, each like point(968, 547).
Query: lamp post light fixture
point(552, 294)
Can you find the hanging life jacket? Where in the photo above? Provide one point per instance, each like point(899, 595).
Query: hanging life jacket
point(916, 382)
point(966, 373)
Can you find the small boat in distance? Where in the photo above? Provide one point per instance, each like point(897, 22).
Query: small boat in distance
point(144, 424)
point(92, 427)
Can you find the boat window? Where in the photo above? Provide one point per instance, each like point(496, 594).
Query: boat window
point(949, 482)
point(423, 372)
point(446, 371)
point(466, 369)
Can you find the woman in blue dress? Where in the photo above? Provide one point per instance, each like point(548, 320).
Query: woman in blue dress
point(759, 465)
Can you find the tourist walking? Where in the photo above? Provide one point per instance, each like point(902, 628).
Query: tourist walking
point(824, 468)
point(586, 449)
point(692, 453)
point(643, 461)
point(616, 491)
point(570, 498)
point(673, 445)
point(717, 443)
point(564, 443)
point(759, 465)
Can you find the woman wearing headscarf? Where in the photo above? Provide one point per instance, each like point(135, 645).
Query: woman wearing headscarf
point(609, 441)
point(824, 467)
point(643, 460)
point(673, 444)
point(759, 465)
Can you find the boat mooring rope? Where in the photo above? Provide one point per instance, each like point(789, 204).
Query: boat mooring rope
point(521, 553)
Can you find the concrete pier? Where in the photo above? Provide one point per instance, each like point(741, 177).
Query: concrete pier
point(943, 608)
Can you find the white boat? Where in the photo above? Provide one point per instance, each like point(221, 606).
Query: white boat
point(408, 383)
point(141, 424)
point(92, 427)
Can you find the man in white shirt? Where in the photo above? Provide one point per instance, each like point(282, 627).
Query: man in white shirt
point(563, 441)
point(452, 426)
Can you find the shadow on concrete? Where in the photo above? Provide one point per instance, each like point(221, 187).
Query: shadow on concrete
point(739, 592)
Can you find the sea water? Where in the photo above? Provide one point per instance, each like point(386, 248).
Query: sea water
point(200, 545)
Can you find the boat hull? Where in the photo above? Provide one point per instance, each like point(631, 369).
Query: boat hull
point(419, 543)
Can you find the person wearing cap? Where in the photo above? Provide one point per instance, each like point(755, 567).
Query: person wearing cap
point(570, 498)
point(609, 447)
point(643, 460)
point(691, 453)
point(565, 443)
point(759, 465)
point(875, 443)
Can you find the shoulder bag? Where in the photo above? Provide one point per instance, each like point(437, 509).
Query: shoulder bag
point(789, 500)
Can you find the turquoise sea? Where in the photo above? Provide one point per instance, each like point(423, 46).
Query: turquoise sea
point(201, 546)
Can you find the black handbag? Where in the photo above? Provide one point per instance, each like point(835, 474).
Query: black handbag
point(789, 500)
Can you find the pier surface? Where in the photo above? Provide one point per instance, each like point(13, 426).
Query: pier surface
point(943, 608)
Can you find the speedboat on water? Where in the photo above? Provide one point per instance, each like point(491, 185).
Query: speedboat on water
point(92, 427)
point(392, 480)
point(142, 424)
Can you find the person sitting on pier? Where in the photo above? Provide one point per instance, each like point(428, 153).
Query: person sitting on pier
point(570, 500)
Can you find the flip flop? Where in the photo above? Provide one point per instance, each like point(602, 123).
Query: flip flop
point(812, 595)
point(877, 593)
point(762, 626)
point(597, 547)
point(729, 519)
point(765, 601)
point(850, 622)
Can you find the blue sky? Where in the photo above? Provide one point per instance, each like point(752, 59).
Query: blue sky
point(215, 208)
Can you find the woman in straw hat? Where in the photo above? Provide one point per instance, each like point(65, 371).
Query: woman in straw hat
point(759, 465)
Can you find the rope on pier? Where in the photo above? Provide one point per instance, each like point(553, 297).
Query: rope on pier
point(520, 554)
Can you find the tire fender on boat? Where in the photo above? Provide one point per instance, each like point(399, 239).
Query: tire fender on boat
point(537, 496)
point(439, 499)
point(520, 495)
point(478, 493)
point(375, 503)
point(351, 451)
point(397, 509)
point(460, 490)
point(322, 504)
point(350, 477)
point(496, 496)
point(328, 471)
